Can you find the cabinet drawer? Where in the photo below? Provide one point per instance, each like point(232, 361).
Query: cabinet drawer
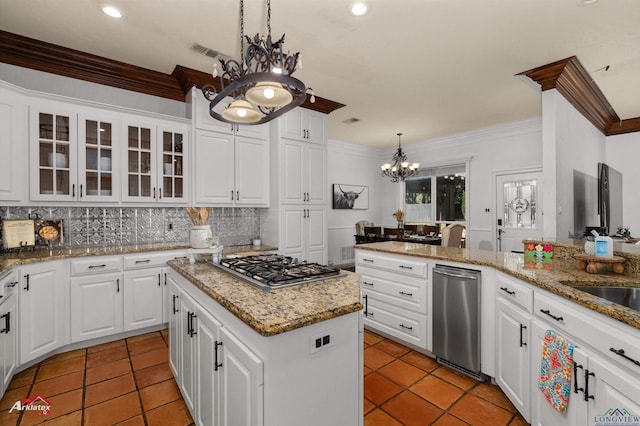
point(96, 265)
point(401, 264)
point(583, 325)
point(152, 259)
point(514, 291)
point(411, 293)
point(407, 326)
point(8, 283)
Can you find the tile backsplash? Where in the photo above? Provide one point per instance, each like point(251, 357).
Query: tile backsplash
point(115, 226)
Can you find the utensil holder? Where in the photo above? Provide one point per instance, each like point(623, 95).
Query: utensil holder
point(200, 236)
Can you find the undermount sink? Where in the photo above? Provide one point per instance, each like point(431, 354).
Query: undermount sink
point(625, 296)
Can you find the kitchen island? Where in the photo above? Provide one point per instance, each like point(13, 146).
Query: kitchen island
point(288, 356)
point(523, 298)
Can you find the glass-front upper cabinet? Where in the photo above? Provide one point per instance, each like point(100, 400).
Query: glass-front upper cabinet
point(173, 185)
point(53, 155)
point(140, 163)
point(97, 162)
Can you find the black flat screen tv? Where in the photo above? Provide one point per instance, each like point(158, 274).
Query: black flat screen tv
point(609, 198)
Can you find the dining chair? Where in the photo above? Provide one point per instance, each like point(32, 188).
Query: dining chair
point(393, 233)
point(428, 229)
point(361, 225)
point(372, 233)
point(452, 235)
point(411, 229)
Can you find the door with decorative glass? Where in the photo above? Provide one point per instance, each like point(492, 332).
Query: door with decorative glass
point(140, 163)
point(518, 209)
point(97, 162)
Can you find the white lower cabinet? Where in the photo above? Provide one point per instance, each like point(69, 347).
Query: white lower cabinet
point(96, 306)
point(143, 291)
point(219, 377)
point(43, 308)
point(8, 336)
point(513, 328)
point(395, 291)
point(304, 231)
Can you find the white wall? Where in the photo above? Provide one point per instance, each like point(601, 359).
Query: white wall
point(352, 165)
point(623, 154)
point(507, 147)
point(570, 143)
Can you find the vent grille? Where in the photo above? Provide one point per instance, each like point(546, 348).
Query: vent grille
point(347, 253)
point(198, 48)
point(473, 374)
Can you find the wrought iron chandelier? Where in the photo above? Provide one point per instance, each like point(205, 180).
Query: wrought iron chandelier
point(401, 168)
point(260, 83)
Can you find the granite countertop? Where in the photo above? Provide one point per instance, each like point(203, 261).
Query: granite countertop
point(275, 311)
point(553, 278)
point(8, 260)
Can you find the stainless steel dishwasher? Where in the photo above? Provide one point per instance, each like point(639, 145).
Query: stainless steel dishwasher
point(456, 318)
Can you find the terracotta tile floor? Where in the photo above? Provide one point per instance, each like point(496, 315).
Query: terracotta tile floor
point(405, 387)
point(128, 382)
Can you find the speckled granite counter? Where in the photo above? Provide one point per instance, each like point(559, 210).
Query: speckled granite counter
point(280, 310)
point(553, 280)
point(9, 260)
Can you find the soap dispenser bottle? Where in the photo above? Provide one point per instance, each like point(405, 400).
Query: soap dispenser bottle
point(604, 246)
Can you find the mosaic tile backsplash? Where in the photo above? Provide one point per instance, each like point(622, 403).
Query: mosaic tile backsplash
point(116, 226)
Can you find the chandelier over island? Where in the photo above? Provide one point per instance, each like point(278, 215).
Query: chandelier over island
point(260, 84)
point(400, 169)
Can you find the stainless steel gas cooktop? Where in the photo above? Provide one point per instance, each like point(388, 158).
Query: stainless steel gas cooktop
point(275, 271)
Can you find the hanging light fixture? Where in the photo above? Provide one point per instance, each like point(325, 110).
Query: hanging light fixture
point(401, 168)
point(260, 83)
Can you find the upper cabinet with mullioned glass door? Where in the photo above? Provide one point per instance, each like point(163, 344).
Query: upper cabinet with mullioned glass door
point(71, 157)
point(156, 164)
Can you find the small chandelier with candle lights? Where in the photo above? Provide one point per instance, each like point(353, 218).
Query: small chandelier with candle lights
point(260, 84)
point(400, 169)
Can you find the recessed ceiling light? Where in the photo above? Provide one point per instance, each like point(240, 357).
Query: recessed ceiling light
point(111, 11)
point(358, 8)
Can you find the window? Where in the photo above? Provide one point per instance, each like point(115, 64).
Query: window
point(437, 195)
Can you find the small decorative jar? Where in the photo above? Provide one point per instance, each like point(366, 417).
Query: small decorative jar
point(200, 236)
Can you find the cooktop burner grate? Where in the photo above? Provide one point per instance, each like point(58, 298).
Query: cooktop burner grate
point(275, 271)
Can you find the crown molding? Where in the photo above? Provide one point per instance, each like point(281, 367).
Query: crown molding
point(569, 77)
point(42, 56)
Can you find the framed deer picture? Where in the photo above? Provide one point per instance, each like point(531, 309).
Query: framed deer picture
point(353, 197)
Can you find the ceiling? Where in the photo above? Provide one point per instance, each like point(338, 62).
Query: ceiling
point(427, 68)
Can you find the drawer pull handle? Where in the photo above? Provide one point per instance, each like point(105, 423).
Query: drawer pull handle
point(406, 294)
point(406, 327)
point(547, 312)
point(364, 259)
point(7, 323)
point(367, 283)
point(12, 284)
point(506, 290)
point(522, 342)
point(97, 266)
point(621, 353)
point(576, 389)
point(143, 261)
point(405, 267)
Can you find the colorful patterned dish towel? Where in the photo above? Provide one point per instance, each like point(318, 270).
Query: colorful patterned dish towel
point(556, 369)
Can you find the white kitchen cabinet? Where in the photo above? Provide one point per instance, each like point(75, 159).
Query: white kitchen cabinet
point(175, 339)
point(143, 291)
point(395, 292)
point(96, 306)
point(513, 342)
point(304, 168)
point(53, 154)
point(13, 127)
point(98, 147)
point(155, 161)
point(188, 368)
point(43, 309)
point(304, 233)
point(231, 170)
point(303, 124)
point(8, 329)
point(209, 363)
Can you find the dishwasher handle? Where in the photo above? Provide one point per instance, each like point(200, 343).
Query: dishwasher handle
point(457, 274)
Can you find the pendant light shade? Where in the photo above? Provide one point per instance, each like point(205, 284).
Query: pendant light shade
point(241, 111)
point(269, 94)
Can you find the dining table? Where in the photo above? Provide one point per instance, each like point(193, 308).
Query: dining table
point(413, 238)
